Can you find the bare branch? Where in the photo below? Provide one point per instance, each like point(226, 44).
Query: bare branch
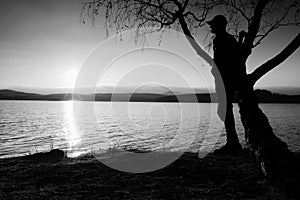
point(198, 49)
point(253, 27)
point(239, 8)
point(275, 61)
point(257, 18)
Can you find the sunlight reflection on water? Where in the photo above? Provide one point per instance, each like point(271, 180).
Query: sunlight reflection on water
point(72, 135)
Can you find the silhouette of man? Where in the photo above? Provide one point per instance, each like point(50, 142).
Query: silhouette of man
point(227, 60)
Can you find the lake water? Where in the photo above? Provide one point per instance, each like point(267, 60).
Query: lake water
point(36, 126)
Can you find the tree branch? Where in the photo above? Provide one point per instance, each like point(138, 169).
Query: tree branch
point(275, 61)
point(239, 9)
point(203, 54)
point(273, 26)
point(253, 28)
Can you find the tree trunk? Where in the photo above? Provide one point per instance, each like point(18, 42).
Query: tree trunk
point(277, 162)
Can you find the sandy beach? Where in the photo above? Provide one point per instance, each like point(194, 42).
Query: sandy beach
point(189, 177)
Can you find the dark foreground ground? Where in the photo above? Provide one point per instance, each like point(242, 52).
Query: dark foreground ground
point(212, 177)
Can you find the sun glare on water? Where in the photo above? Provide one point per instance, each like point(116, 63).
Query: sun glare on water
point(72, 135)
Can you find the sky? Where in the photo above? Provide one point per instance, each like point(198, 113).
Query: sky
point(43, 44)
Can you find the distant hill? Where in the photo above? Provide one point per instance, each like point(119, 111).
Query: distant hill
point(264, 96)
point(16, 95)
point(283, 90)
point(149, 88)
point(204, 98)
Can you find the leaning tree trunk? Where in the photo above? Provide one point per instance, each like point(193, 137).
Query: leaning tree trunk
point(276, 161)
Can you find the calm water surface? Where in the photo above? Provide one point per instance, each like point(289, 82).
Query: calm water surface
point(36, 126)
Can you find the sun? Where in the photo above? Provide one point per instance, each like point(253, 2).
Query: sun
point(70, 78)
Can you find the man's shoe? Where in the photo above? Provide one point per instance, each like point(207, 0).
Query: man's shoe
point(229, 148)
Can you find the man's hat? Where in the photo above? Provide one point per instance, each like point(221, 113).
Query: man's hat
point(218, 20)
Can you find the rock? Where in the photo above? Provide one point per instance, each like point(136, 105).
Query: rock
point(55, 155)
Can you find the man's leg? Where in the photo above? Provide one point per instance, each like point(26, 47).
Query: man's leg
point(232, 145)
point(232, 137)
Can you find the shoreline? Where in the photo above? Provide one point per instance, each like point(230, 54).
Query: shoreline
point(189, 177)
point(264, 96)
